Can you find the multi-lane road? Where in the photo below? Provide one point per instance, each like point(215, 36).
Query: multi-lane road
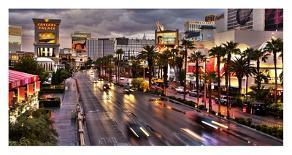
point(108, 114)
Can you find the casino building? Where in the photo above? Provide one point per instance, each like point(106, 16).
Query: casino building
point(250, 28)
point(47, 38)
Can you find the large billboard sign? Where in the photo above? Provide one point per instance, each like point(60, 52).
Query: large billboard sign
point(47, 37)
point(79, 41)
point(166, 39)
point(273, 19)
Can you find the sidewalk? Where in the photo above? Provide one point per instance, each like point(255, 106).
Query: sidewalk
point(235, 112)
point(65, 126)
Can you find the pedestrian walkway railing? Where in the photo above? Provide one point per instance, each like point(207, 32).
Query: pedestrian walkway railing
point(80, 121)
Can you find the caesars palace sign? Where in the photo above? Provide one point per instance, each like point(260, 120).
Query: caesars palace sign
point(46, 26)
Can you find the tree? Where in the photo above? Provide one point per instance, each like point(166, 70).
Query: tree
point(197, 57)
point(60, 75)
point(119, 53)
point(98, 64)
point(88, 63)
point(185, 46)
point(210, 77)
point(274, 47)
point(32, 128)
point(178, 60)
point(164, 59)
point(248, 54)
point(149, 55)
point(240, 68)
point(230, 48)
point(259, 55)
point(28, 65)
point(136, 67)
point(218, 52)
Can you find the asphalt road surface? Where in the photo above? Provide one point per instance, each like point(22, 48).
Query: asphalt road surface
point(108, 114)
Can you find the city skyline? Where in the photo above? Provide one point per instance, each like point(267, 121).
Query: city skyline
point(112, 22)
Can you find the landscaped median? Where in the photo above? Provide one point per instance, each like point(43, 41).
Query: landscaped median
point(272, 131)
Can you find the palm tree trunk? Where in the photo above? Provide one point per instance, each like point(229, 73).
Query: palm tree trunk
point(227, 83)
point(258, 72)
point(185, 81)
point(218, 82)
point(210, 94)
point(246, 83)
point(150, 73)
point(197, 80)
point(276, 79)
point(239, 85)
point(165, 69)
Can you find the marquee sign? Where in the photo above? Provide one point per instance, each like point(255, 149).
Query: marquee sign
point(47, 26)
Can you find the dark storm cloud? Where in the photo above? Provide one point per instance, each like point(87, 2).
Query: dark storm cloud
point(106, 22)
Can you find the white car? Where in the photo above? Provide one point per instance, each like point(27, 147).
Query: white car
point(180, 89)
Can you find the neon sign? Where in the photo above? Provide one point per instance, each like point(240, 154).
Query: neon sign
point(46, 26)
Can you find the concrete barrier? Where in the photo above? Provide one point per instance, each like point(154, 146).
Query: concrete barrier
point(80, 119)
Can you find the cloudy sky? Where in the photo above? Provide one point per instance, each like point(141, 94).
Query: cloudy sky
point(105, 22)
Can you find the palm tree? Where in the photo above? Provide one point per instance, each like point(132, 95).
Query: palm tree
point(119, 53)
point(98, 66)
point(210, 77)
point(198, 58)
point(259, 55)
point(240, 68)
point(109, 60)
point(230, 48)
point(149, 55)
point(135, 66)
point(218, 52)
point(248, 53)
point(164, 59)
point(274, 47)
point(186, 45)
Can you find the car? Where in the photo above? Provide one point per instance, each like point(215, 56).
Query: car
point(94, 81)
point(106, 86)
point(223, 100)
point(188, 137)
point(128, 89)
point(156, 87)
point(180, 89)
point(194, 93)
point(137, 131)
point(100, 79)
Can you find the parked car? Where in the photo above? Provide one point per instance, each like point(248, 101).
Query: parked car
point(223, 100)
point(180, 89)
point(156, 87)
point(194, 93)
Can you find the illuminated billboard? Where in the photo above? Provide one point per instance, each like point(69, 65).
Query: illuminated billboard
point(273, 19)
point(166, 38)
point(79, 41)
point(47, 37)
